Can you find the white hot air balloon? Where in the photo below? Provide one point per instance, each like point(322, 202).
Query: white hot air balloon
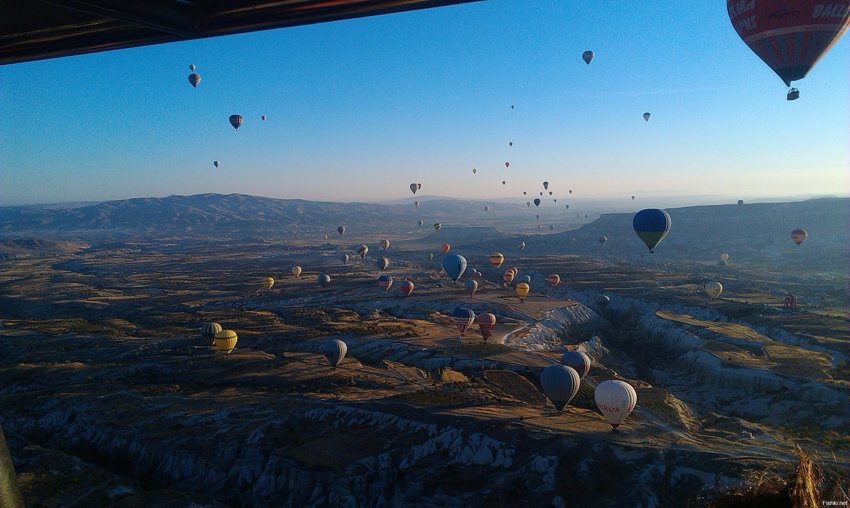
point(616, 399)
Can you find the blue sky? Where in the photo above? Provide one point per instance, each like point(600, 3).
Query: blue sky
point(358, 109)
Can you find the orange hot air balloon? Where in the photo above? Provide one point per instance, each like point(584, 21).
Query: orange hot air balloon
point(553, 280)
point(406, 287)
point(522, 290)
point(486, 322)
point(496, 259)
point(790, 36)
point(799, 236)
point(445, 248)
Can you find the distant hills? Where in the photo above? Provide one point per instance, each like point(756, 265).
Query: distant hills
point(752, 233)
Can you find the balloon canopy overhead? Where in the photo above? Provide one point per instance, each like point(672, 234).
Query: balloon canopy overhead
point(34, 30)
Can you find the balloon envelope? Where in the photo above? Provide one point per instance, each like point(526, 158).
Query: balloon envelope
point(268, 282)
point(646, 116)
point(225, 341)
point(385, 281)
point(208, 331)
point(496, 259)
point(603, 240)
point(536, 201)
point(324, 279)
point(194, 79)
point(362, 251)
point(414, 188)
point(454, 265)
point(553, 280)
point(334, 351)
point(724, 256)
point(340, 230)
point(790, 37)
point(799, 236)
point(215, 163)
point(651, 226)
point(521, 290)
point(578, 361)
point(406, 287)
point(296, 271)
point(445, 248)
point(587, 56)
point(471, 286)
point(437, 226)
point(383, 263)
point(616, 400)
point(486, 322)
point(236, 121)
point(344, 258)
point(713, 289)
point(384, 244)
point(560, 384)
point(463, 317)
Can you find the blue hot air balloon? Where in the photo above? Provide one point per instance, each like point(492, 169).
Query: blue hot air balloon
point(454, 265)
point(651, 225)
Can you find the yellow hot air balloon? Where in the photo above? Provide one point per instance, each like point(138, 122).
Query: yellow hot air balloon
point(268, 282)
point(296, 271)
point(496, 259)
point(225, 341)
point(521, 291)
point(713, 289)
point(385, 244)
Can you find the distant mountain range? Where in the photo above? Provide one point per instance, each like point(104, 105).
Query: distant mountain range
point(752, 233)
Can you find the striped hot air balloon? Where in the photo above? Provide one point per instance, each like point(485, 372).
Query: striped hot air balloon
point(486, 322)
point(651, 225)
point(790, 36)
point(385, 281)
point(208, 331)
point(225, 341)
point(463, 317)
point(578, 361)
point(560, 384)
point(362, 251)
point(522, 290)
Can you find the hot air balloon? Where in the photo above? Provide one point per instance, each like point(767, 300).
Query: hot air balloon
point(507, 164)
point(215, 163)
point(568, 207)
point(504, 182)
point(236, 121)
point(528, 204)
point(463, 318)
point(512, 106)
point(740, 202)
point(508, 276)
point(571, 191)
point(471, 286)
point(324, 279)
point(525, 279)
point(263, 118)
point(496, 259)
point(445, 248)
point(578, 361)
point(553, 280)
point(420, 222)
point(296, 271)
point(454, 265)
point(616, 399)
point(414, 187)
point(603, 301)
point(560, 384)
point(486, 208)
point(541, 193)
point(724, 256)
point(385, 281)
point(521, 246)
point(419, 186)
point(192, 67)
point(225, 341)
point(385, 244)
point(521, 291)
point(550, 193)
point(633, 198)
point(799, 236)
point(646, 116)
point(602, 240)
point(523, 193)
point(510, 143)
point(537, 202)
point(546, 185)
point(195, 80)
point(340, 230)
point(334, 351)
point(474, 171)
point(790, 37)
point(486, 322)
point(651, 225)
point(587, 56)
point(362, 251)
point(208, 331)
point(344, 258)
point(713, 289)
point(268, 282)
point(429, 257)
point(416, 204)
point(437, 226)
point(405, 287)
point(383, 263)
